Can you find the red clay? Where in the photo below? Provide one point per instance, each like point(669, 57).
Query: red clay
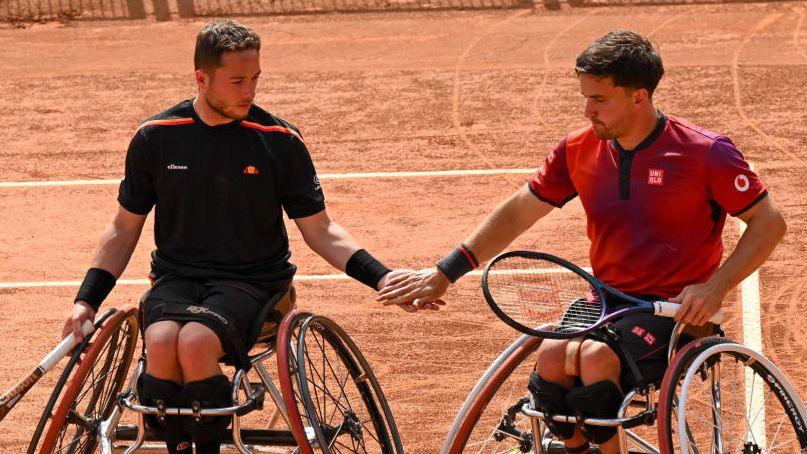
point(387, 92)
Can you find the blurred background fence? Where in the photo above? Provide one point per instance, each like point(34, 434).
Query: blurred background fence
point(66, 10)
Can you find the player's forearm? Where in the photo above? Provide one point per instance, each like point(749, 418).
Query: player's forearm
point(506, 223)
point(333, 243)
point(763, 233)
point(115, 247)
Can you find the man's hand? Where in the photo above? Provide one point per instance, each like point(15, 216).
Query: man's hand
point(392, 275)
point(81, 311)
point(699, 302)
point(395, 275)
point(420, 289)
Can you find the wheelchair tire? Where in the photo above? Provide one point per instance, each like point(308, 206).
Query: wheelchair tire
point(93, 388)
point(75, 357)
point(728, 398)
point(330, 389)
point(487, 422)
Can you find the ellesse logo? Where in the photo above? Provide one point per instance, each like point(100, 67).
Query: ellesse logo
point(251, 170)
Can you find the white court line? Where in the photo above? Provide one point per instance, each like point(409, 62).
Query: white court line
point(752, 338)
point(298, 277)
point(324, 176)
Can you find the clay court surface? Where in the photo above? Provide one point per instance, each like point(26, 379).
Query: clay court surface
point(387, 93)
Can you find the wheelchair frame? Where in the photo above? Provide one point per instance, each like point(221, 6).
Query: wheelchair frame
point(98, 424)
point(690, 362)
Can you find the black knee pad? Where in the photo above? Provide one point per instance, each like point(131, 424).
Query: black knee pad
point(550, 399)
point(212, 392)
point(154, 392)
point(600, 400)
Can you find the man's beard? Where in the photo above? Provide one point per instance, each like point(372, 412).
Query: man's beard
point(221, 109)
point(603, 132)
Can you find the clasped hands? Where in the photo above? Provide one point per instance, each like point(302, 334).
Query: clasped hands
point(413, 290)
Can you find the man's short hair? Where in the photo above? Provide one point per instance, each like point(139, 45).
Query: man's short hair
point(627, 57)
point(219, 36)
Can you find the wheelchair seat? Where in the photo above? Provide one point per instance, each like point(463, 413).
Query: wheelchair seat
point(268, 320)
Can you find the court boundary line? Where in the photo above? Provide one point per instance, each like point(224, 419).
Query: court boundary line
point(298, 277)
point(324, 176)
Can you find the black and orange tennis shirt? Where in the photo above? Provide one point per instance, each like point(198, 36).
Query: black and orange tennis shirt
point(655, 214)
point(220, 192)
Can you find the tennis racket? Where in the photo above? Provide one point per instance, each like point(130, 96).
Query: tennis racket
point(545, 296)
point(13, 395)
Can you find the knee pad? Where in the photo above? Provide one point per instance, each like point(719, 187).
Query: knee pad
point(154, 392)
point(550, 399)
point(600, 400)
point(212, 392)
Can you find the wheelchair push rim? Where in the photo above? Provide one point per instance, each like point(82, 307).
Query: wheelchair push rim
point(332, 396)
point(729, 398)
point(92, 391)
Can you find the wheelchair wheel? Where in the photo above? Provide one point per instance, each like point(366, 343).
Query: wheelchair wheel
point(330, 389)
point(91, 393)
point(489, 420)
point(720, 396)
point(75, 357)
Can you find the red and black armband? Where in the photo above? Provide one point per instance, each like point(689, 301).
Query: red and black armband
point(96, 287)
point(458, 263)
point(366, 269)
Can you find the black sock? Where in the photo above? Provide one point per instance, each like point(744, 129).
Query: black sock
point(210, 447)
point(582, 449)
point(151, 390)
point(179, 445)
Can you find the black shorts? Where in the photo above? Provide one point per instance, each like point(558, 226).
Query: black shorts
point(646, 338)
point(229, 308)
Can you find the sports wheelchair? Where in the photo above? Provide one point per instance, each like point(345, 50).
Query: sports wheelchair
point(327, 398)
point(717, 396)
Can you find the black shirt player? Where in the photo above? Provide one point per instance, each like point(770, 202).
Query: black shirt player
point(219, 171)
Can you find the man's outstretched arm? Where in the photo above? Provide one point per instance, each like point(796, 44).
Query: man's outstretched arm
point(334, 244)
point(115, 248)
point(506, 223)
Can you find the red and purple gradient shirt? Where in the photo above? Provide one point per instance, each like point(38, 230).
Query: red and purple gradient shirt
point(655, 214)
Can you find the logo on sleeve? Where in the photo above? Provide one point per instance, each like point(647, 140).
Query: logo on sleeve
point(317, 186)
point(741, 183)
point(655, 177)
point(251, 170)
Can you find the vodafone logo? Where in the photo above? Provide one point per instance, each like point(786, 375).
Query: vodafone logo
point(741, 183)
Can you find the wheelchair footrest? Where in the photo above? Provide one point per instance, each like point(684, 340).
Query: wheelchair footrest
point(265, 437)
point(556, 447)
point(259, 392)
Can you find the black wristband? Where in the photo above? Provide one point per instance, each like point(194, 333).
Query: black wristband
point(96, 286)
point(365, 268)
point(458, 263)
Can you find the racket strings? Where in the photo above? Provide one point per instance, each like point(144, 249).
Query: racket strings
point(543, 295)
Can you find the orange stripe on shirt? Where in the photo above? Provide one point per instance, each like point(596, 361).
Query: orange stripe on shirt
point(169, 122)
point(259, 127)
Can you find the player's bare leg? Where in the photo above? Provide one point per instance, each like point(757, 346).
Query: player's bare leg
point(551, 360)
point(199, 350)
point(161, 351)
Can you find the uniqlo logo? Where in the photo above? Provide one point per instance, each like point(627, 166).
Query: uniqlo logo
point(638, 330)
point(655, 177)
point(650, 339)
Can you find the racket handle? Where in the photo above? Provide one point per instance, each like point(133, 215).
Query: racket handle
point(667, 309)
point(64, 347)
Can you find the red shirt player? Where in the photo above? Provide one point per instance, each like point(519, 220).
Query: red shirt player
point(656, 191)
